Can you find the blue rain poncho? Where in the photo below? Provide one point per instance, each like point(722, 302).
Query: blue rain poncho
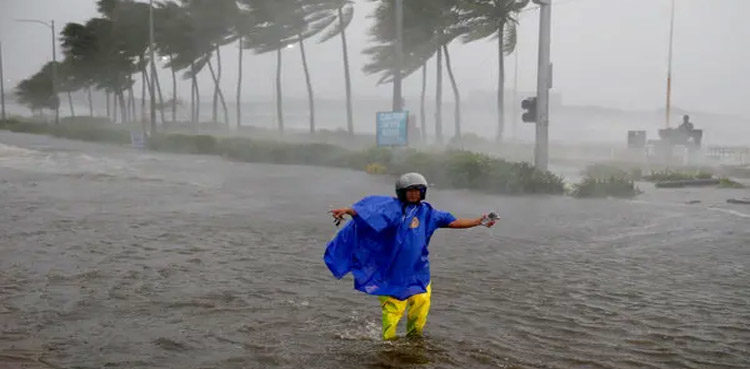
point(385, 246)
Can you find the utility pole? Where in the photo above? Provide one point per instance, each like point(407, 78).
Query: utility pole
point(399, 52)
point(669, 69)
point(2, 83)
point(54, 74)
point(153, 64)
point(514, 122)
point(544, 83)
point(51, 26)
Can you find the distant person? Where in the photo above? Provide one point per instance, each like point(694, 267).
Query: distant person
point(686, 125)
point(385, 249)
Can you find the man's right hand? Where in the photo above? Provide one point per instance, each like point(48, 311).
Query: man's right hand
point(338, 214)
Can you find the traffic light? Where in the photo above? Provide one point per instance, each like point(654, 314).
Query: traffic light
point(529, 105)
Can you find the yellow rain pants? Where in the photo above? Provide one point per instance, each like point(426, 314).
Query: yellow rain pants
point(393, 309)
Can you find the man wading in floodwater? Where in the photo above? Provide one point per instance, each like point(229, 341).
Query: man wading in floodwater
point(385, 249)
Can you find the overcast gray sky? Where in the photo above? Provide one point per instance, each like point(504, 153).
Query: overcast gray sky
point(606, 52)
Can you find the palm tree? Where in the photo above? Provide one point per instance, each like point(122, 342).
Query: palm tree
point(494, 18)
point(170, 30)
point(97, 50)
point(319, 16)
point(73, 73)
point(435, 23)
point(343, 12)
point(243, 27)
point(130, 26)
point(214, 22)
point(36, 91)
point(177, 36)
point(277, 24)
point(69, 81)
point(299, 20)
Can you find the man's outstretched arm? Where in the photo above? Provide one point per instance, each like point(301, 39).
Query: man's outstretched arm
point(463, 223)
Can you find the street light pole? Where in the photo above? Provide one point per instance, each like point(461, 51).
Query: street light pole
point(544, 83)
point(669, 68)
point(54, 74)
point(51, 26)
point(399, 19)
point(153, 64)
point(2, 83)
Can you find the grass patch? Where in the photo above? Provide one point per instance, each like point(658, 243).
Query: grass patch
point(673, 175)
point(592, 187)
point(728, 183)
point(84, 130)
point(607, 171)
point(182, 143)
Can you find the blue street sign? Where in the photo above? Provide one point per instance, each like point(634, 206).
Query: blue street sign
point(392, 128)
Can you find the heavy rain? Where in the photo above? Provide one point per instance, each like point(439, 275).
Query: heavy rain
point(182, 181)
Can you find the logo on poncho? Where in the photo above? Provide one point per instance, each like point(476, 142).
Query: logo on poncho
point(414, 223)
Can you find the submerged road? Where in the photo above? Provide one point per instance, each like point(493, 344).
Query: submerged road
point(115, 258)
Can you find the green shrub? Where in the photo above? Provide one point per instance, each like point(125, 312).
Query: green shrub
point(610, 187)
point(93, 121)
point(464, 169)
point(87, 133)
point(87, 130)
point(24, 127)
point(728, 183)
point(605, 171)
point(671, 175)
point(182, 143)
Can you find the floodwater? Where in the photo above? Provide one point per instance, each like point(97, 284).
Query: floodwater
point(114, 258)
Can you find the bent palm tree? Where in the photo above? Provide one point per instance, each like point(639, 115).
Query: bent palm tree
point(494, 18)
point(343, 12)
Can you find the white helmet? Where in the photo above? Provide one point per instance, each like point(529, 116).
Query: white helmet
point(411, 181)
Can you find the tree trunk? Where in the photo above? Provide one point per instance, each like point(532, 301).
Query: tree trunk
point(218, 86)
point(197, 106)
point(279, 111)
point(123, 113)
point(131, 104)
point(114, 107)
point(215, 105)
point(155, 79)
point(220, 94)
point(500, 84)
point(151, 120)
point(174, 91)
point(130, 98)
point(109, 115)
point(423, 123)
point(239, 86)
point(457, 96)
point(144, 83)
point(347, 78)
point(192, 102)
point(70, 103)
point(91, 103)
point(310, 98)
point(439, 98)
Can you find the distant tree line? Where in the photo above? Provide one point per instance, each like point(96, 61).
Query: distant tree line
point(109, 53)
